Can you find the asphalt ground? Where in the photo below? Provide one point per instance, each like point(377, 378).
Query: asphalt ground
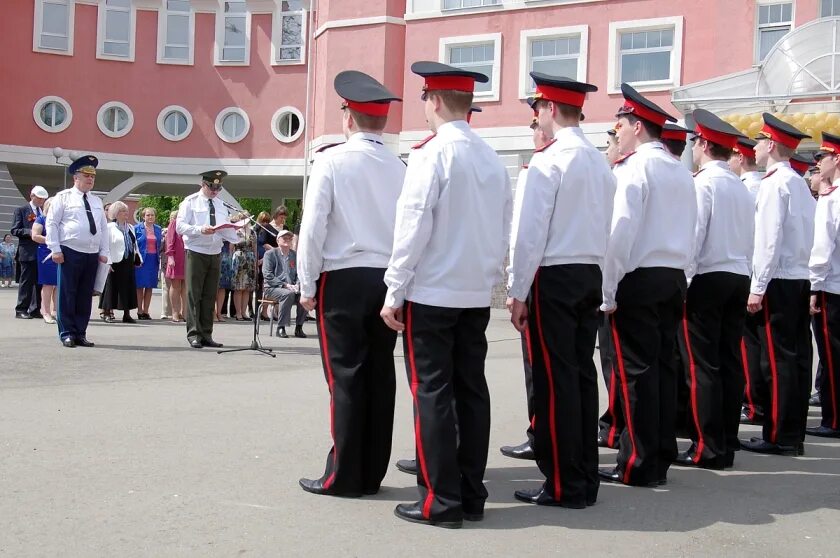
point(143, 446)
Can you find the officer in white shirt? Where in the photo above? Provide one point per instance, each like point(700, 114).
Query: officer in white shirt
point(742, 163)
point(344, 246)
point(204, 222)
point(779, 290)
point(644, 286)
point(674, 138)
point(78, 242)
point(452, 232)
point(713, 322)
point(561, 238)
point(801, 162)
point(824, 267)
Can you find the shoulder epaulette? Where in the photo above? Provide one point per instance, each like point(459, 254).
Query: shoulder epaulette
point(769, 174)
point(424, 142)
point(327, 146)
point(624, 158)
point(828, 191)
point(698, 172)
point(544, 147)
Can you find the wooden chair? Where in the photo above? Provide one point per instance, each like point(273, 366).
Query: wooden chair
point(271, 305)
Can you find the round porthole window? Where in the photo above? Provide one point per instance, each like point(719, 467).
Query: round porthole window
point(115, 119)
point(232, 124)
point(52, 114)
point(175, 123)
point(287, 124)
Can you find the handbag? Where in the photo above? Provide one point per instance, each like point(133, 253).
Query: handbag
point(138, 259)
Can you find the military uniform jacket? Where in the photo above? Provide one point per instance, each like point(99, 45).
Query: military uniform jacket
point(725, 213)
point(566, 209)
point(825, 254)
point(784, 227)
point(193, 214)
point(752, 180)
point(351, 206)
point(653, 217)
point(517, 210)
point(453, 223)
point(67, 224)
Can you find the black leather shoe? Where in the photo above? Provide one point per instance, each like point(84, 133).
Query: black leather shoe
point(757, 445)
point(611, 474)
point(522, 451)
point(299, 333)
point(747, 418)
point(729, 462)
point(540, 497)
point(815, 401)
point(128, 320)
point(36, 315)
point(688, 459)
point(68, 342)
point(315, 486)
point(408, 466)
point(281, 332)
point(211, 343)
point(22, 316)
point(823, 432)
point(195, 344)
point(83, 342)
point(800, 448)
point(453, 519)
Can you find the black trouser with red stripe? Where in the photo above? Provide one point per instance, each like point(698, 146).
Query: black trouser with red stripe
point(755, 390)
point(563, 322)
point(357, 350)
point(827, 335)
point(786, 359)
point(710, 343)
point(644, 327)
point(611, 422)
point(445, 350)
point(529, 384)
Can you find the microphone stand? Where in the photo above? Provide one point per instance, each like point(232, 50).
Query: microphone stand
point(256, 345)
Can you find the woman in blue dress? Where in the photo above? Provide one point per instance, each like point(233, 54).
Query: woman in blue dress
point(47, 268)
point(149, 241)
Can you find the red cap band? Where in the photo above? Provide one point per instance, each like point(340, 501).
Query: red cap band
point(830, 147)
point(454, 83)
point(720, 138)
point(674, 135)
point(560, 95)
point(371, 109)
point(781, 137)
point(744, 150)
point(799, 166)
point(640, 110)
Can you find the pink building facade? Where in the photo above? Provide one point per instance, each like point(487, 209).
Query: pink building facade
point(161, 90)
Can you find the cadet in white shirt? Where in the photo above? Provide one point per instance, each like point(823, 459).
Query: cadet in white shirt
point(452, 232)
point(715, 307)
point(344, 246)
point(78, 241)
point(204, 223)
point(644, 286)
point(561, 238)
point(824, 267)
point(742, 163)
point(674, 138)
point(779, 290)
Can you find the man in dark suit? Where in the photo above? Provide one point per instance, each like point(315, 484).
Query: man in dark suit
point(282, 284)
point(29, 295)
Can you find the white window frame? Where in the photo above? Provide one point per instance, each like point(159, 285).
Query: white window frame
point(219, 43)
point(39, 24)
point(100, 119)
point(277, 35)
point(101, 24)
point(161, 47)
point(820, 13)
point(162, 117)
point(276, 118)
point(221, 117)
point(613, 65)
point(446, 44)
point(526, 37)
point(36, 114)
point(444, 9)
point(758, 27)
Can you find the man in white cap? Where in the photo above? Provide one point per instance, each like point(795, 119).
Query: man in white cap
point(29, 295)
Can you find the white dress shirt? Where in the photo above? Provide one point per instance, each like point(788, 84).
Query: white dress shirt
point(193, 214)
point(68, 225)
point(725, 213)
point(351, 208)
point(566, 209)
point(784, 227)
point(514, 224)
point(453, 223)
point(825, 254)
point(653, 216)
point(752, 180)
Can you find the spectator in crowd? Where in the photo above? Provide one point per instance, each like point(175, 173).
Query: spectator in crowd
point(225, 281)
point(268, 236)
point(149, 240)
point(7, 261)
point(282, 284)
point(120, 290)
point(245, 272)
point(175, 259)
point(165, 303)
point(29, 295)
point(47, 270)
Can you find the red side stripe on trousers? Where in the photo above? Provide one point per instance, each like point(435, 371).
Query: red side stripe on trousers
point(774, 376)
point(418, 439)
point(611, 407)
point(322, 333)
point(626, 393)
point(528, 345)
point(552, 404)
point(829, 362)
point(745, 365)
point(693, 373)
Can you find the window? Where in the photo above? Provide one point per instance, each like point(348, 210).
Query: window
point(176, 31)
point(645, 53)
point(52, 114)
point(476, 53)
point(232, 124)
point(115, 30)
point(829, 8)
point(115, 119)
point(560, 51)
point(53, 31)
point(774, 22)
point(288, 33)
point(174, 123)
point(287, 124)
point(460, 4)
point(233, 34)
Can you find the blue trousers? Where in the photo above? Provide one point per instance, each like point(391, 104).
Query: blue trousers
point(76, 277)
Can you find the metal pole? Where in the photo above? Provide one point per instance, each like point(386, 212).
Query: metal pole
point(306, 139)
